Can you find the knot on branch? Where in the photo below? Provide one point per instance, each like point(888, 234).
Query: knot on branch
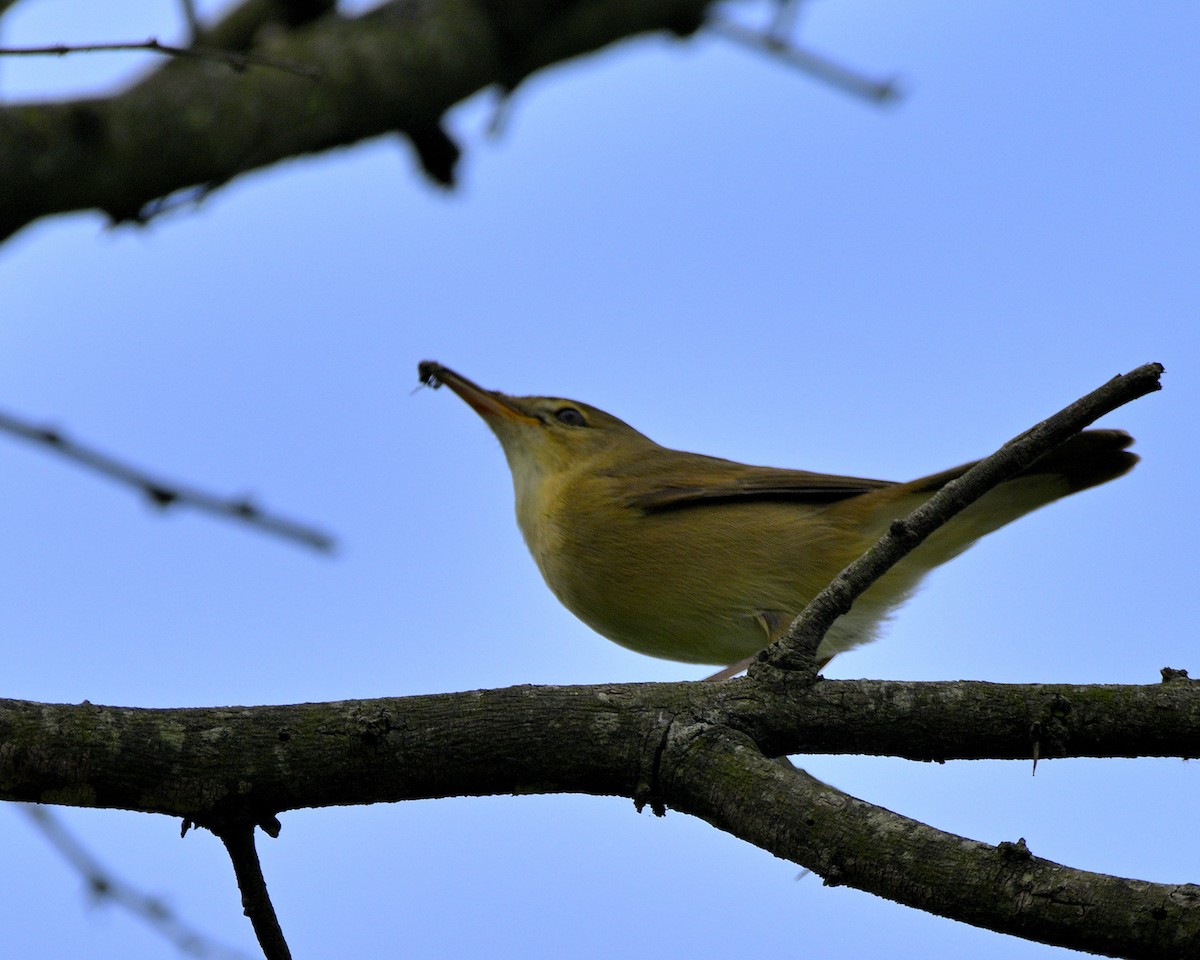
point(1014, 852)
point(1050, 732)
point(684, 753)
point(902, 530)
point(373, 726)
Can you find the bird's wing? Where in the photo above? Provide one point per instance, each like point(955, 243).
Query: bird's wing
point(1087, 459)
point(737, 483)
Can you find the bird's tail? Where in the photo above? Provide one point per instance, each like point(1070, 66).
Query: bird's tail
point(1086, 460)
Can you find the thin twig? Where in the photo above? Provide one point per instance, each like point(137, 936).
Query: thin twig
point(797, 650)
point(163, 494)
point(815, 65)
point(235, 61)
point(191, 19)
point(104, 887)
point(256, 901)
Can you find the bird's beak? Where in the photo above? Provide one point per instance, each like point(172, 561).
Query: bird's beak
point(487, 403)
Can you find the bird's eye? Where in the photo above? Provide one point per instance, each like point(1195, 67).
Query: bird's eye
point(570, 416)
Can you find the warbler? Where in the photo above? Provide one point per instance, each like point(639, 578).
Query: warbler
point(702, 560)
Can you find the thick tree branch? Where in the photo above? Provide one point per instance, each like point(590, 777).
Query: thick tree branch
point(395, 69)
point(248, 763)
point(972, 720)
point(683, 746)
point(724, 780)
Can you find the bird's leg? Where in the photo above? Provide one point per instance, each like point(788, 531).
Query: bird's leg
point(732, 670)
point(775, 625)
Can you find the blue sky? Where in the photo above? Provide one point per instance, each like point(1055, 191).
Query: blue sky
point(729, 256)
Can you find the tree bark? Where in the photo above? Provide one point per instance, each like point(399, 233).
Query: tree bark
point(197, 123)
point(705, 749)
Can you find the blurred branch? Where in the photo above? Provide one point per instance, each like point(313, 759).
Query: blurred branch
point(191, 19)
point(241, 24)
point(235, 61)
point(164, 495)
point(822, 68)
point(394, 69)
point(105, 888)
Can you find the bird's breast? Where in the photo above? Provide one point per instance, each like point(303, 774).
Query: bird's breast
point(687, 584)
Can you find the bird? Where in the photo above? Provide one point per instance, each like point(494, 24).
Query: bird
point(698, 559)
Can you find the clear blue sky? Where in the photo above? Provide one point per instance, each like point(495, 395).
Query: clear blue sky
point(731, 257)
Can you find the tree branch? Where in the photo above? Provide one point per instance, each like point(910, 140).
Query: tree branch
point(656, 743)
point(973, 720)
point(397, 68)
point(797, 650)
point(700, 748)
point(231, 59)
point(246, 763)
point(878, 92)
point(723, 779)
point(162, 494)
point(256, 901)
point(105, 887)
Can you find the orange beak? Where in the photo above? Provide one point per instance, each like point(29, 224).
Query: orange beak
point(487, 403)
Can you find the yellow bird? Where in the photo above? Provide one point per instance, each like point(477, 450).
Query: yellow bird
point(702, 560)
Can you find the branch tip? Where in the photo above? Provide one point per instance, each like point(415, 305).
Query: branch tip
point(798, 648)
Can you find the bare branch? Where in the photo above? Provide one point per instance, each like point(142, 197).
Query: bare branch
point(703, 749)
point(235, 765)
point(236, 61)
point(245, 763)
point(240, 24)
point(162, 494)
point(105, 887)
point(975, 720)
point(395, 69)
point(256, 901)
point(191, 19)
point(822, 68)
point(797, 650)
point(723, 779)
